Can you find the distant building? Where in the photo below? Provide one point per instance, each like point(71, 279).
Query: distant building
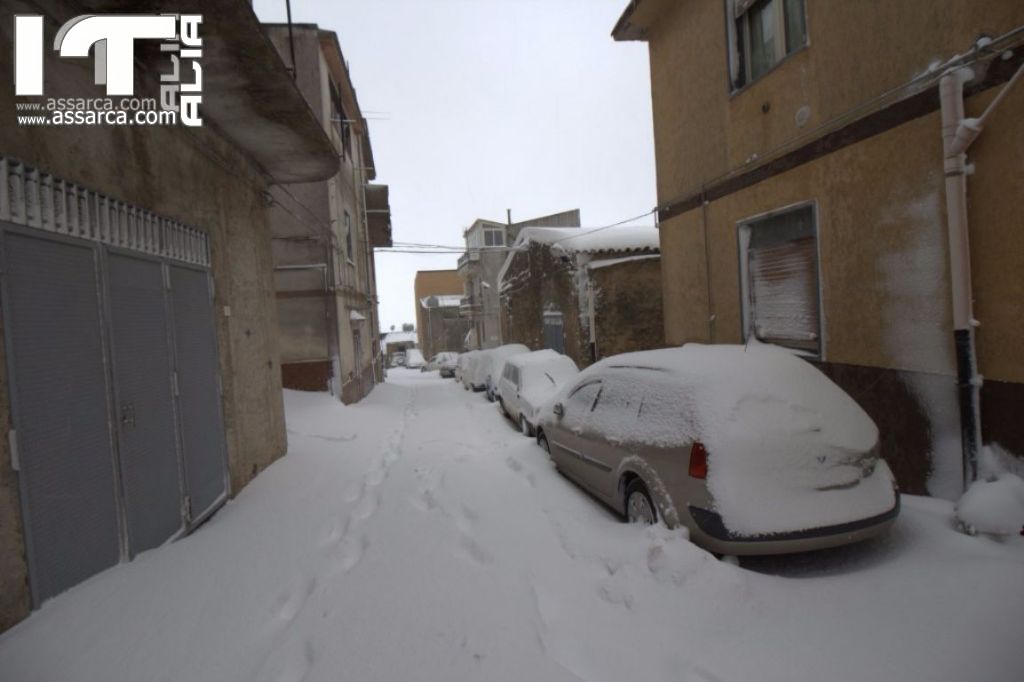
point(397, 342)
point(809, 192)
point(325, 233)
point(585, 293)
point(438, 296)
point(445, 327)
point(486, 249)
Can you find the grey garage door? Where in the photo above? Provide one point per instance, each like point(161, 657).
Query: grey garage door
point(111, 348)
point(144, 400)
point(59, 403)
point(202, 429)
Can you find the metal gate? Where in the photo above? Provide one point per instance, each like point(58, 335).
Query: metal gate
point(199, 390)
point(143, 400)
point(117, 434)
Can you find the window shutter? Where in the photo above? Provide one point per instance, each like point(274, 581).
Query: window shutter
point(784, 294)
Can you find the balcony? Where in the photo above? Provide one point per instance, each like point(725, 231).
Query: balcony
point(467, 258)
point(378, 215)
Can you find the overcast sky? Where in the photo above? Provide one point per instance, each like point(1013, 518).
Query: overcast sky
point(478, 106)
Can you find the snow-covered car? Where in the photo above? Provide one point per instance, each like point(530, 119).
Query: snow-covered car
point(467, 368)
point(751, 448)
point(489, 367)
point(398, 359)
point(446, 363)
point(414, 358)
point(529, 380)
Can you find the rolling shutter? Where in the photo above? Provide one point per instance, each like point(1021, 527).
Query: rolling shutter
point(784, 293)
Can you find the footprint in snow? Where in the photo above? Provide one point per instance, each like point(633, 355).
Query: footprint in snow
point(348, 555)
point(290, 603)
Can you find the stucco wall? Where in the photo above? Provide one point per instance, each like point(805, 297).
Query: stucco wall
point(628, 307)
point(195, 177)
point(857, 51)
point(880, 204)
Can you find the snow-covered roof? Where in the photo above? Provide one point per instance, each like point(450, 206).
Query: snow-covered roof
point(638, 240)
point(355, 316)
point(400, 337)
point(601, 239)
point(443, 301)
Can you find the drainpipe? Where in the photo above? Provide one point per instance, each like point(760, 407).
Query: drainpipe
point(957, 135)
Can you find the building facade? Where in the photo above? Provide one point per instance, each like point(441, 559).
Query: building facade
point(805, 191)
point(140, 384)
point(585, 293)
point(487, 245)
point(441, 327)
point(325, 233)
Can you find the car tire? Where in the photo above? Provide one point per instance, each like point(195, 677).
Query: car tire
point(542, 441)
point(638, 505)
point(524, 426)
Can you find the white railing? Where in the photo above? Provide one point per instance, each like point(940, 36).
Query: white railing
point(32, 198)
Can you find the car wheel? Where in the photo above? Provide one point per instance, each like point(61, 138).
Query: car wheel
point(542, 441)
point(524, 426)
point(639, 507)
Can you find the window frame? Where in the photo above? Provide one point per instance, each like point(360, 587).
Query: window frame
point(591, 382)
point(742, 48)
point(491, 231)
point(349, 241)
point(742, 248)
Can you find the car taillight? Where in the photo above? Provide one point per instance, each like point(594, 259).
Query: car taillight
point(698, 460)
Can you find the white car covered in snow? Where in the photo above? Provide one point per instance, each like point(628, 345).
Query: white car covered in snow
point(489, 366)
point(751, 448)
point(529, 380)
point(414, 358)
point(466, 368)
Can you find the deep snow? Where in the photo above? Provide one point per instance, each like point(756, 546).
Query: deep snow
point(419, 536)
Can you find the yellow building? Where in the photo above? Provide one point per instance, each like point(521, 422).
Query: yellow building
point(803, 186)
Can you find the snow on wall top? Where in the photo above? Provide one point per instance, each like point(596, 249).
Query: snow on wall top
point(582, 240)
point(444, 301)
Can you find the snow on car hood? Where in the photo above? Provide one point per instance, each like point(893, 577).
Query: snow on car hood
point(788, 449)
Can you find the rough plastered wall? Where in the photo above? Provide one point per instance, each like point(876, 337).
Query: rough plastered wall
point(195, 177)
point(628, 306)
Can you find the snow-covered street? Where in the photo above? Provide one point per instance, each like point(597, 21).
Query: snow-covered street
point(419, 536)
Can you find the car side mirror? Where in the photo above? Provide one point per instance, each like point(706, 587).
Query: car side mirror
point(558, 409)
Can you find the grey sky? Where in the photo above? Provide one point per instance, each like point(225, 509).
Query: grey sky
point(491, 104)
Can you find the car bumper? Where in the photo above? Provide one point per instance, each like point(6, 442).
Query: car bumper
point(710, 532)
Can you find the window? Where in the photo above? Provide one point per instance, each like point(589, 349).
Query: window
point(761, 34)
point(349, 253)
point(340, 120)
point(494, 237)
point(582, 398)
point(779, 270)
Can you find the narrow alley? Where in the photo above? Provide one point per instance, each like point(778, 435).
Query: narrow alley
point(419, 535)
